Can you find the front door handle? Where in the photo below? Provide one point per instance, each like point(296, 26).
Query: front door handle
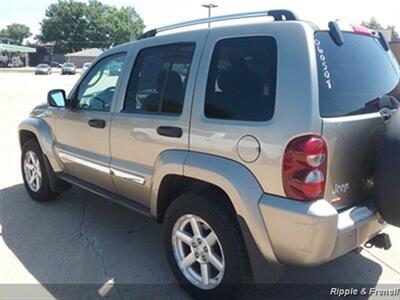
point(170, 131)
point(97, 123)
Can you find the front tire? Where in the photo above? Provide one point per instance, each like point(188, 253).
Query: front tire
point(204, 246)
point(34, 173)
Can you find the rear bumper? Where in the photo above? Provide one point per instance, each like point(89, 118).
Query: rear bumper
point(313, 233)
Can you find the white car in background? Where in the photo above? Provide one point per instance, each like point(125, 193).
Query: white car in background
point(85, 66)
point(68, 68)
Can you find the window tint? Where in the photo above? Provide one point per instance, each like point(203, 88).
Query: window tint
point(353, 76)
point(158, 81)
point(242, 80)
point(97, 89)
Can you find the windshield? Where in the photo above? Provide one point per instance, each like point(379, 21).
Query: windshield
point(69, 65)
point(353, 76)
point(43, 66)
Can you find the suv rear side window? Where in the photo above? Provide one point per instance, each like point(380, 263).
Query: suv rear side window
point(242, 79)
point(158, 80)
point(353, 76)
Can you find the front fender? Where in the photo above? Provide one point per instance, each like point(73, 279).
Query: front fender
point(45, 137)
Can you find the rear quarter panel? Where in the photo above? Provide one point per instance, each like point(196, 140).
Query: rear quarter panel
point(296, 108)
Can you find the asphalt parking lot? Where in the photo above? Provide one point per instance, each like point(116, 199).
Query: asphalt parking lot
point(83, 239)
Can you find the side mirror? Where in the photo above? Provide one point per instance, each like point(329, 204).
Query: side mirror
point(56, 98)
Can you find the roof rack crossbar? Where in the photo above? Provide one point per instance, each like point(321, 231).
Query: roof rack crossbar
point(278, 15)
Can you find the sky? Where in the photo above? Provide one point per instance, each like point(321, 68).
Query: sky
point(156, 13)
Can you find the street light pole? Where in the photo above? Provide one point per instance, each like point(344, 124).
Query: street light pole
point(209, 6)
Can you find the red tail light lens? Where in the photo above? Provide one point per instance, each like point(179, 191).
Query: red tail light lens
point(304, 168)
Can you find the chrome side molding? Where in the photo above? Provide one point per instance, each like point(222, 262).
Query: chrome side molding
point(107, 170)
point(84, 162)
point(128, 176)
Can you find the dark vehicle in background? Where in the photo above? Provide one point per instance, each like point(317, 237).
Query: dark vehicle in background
point(43, 69)
point(53, 64)
point(56, 64)
point(68, 68)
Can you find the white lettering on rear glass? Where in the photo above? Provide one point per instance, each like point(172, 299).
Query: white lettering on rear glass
point(322, 58)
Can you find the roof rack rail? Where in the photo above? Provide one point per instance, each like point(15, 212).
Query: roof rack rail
point(278, 15)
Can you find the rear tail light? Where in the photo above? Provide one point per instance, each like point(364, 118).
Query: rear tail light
point(304, 168)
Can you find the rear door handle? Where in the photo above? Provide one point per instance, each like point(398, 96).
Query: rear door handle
point(97, 123)
point(170, 131)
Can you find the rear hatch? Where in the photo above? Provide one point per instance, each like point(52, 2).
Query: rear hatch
point(352, 78)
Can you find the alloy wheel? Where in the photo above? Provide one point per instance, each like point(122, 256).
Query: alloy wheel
point(198, 252)
point(32, 171)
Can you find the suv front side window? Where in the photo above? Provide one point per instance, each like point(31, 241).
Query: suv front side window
point(97, 89)
point(241, 81)
point(158, 81)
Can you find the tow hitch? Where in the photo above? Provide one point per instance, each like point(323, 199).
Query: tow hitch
point(381, 240)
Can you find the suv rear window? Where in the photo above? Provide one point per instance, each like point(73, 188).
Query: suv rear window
point(353, 76)
point(242, 79)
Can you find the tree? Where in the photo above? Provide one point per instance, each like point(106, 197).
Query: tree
point(117, 25)
point(74, 25)
point(374, 24)
point(395, 34)
point(16, 33)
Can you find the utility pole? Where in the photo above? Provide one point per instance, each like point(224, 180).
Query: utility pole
point(209, 6)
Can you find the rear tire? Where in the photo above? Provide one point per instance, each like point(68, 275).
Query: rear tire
point(212, 217)
point(34, 173)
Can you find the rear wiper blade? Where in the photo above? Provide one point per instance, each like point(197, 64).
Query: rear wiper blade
point(384, 42)
point(335, 33)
